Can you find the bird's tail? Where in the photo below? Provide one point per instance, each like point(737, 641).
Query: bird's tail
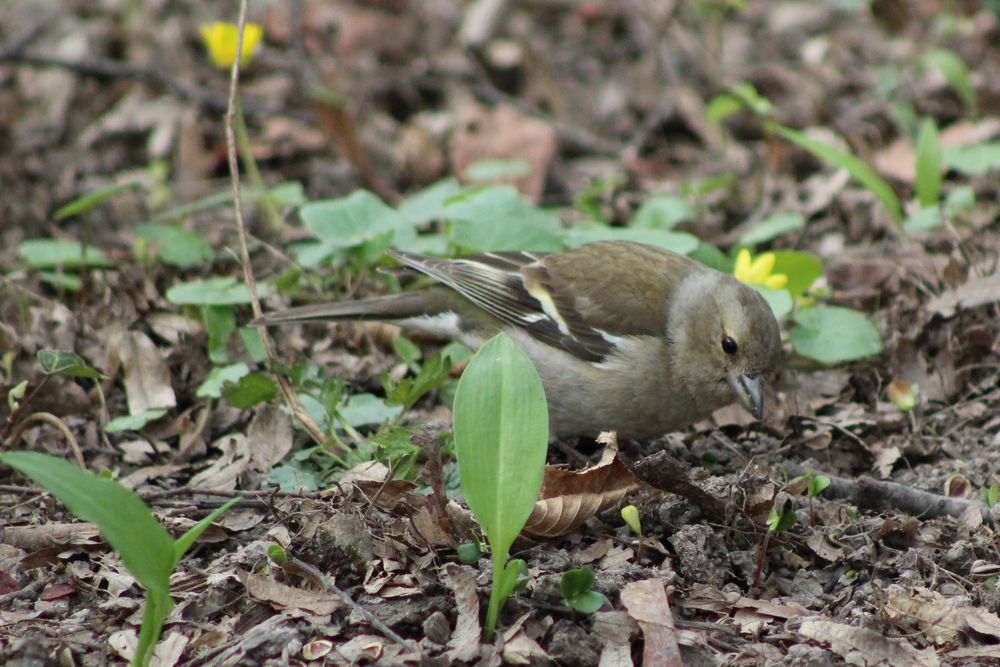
point(393, 307)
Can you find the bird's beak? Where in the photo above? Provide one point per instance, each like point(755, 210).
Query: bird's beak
point(749, 389)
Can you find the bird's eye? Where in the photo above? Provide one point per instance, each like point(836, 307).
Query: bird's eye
point(729, 345)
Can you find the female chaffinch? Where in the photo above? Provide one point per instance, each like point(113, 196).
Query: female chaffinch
point(625, 336)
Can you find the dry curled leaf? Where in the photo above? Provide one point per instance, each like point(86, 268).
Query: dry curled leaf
point(569, 498)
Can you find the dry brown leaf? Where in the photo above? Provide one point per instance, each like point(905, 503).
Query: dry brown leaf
point(860, 646)
point(824, 547)
point(942, 620)
point(269, 438)
point(569, 498)
point(464, 642)
point(282, 596)
point(505, 133)
point(147, 377)
point(976, 292)
point(646, 602)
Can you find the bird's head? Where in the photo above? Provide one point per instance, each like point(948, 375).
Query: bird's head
point(726, 335)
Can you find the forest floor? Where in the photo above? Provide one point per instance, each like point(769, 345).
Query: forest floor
point(595, 107)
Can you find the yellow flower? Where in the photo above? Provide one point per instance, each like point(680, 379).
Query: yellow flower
point(758, 272)
point(220, 40)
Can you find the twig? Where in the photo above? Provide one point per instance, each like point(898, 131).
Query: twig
point(51, 419)
point(313, 574)
point(872, 494)
point(234, 175)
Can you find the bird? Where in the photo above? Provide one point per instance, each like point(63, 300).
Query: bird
point(626, 337)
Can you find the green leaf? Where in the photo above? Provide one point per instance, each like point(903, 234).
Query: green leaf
point(510, 578)
point(662, 212)
point(771, 228)
point(427, 205)
point(501, 438)
point(710, 256)
point(830, 335)
point(67, 364)
point(781, 520)
point(961, 198)
point(923, 220)
point(956, 73)
point(52, 253)
point(220, 323)
point(722, 107)
point(64, 281)
point(485, 171)
point(250, 390)
point(217, 377)
point(124, 521)
point(185, 541)
point(133, 422)
point(818, 484)
point(177, 246)
point(367, 409)
point(91, 199)
point(973, 160)
point(496, 219)
point(575, 587)
point(469, 553)
point(856, 167)
point(679, 242)
point(802, 269)
point(630, 515)
point(351, 221)
point(218, 291)
point(779, 300)
point(587, 603)
point(576, 581)
point(928, 171)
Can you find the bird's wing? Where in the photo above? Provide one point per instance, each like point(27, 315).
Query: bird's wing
point(567, 300)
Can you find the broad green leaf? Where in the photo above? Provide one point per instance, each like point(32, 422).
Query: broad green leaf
point(973, 160)
point(427, 205)
point(501, 438)
point(124, 521)
point(64, 281)
point(576, 581)
point(91, 199)
point(856, 167)
point(928, 171)
point(771, 228)
point(485, 171)
point(133, 422)
point(956, 73)
point(367, 409)
point(802, 269)
point(220, 323)
point(67, 364)
point(250, 390)
point(350, 221)
point(218, 291)
point(779, 300)
point(496, 218)
point(961, 198)
point(679, 242)
point(662, 212)
point(923, 220)
point(177, 246)
point(217, 377)
point(710, 256)
point(830, 335)
point(588, 602)
point(52, 253)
